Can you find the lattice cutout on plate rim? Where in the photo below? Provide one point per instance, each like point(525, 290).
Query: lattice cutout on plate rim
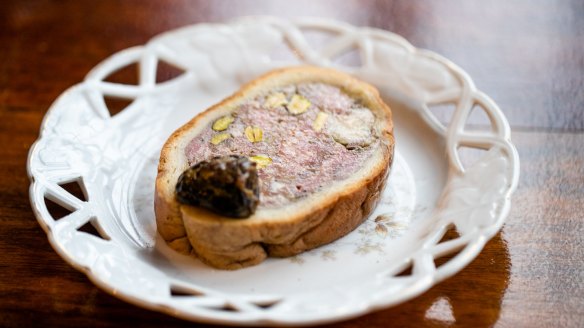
point(347, 40)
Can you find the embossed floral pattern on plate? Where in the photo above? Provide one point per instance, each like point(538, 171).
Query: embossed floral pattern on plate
point(113, 158)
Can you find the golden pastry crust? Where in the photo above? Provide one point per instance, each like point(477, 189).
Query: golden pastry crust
point(296, 227)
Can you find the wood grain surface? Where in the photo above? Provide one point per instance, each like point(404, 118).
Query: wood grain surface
point(527, 55)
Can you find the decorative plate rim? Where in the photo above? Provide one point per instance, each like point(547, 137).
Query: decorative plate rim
point(502, 153)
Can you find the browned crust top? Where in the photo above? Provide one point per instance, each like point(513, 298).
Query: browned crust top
point(168, 210)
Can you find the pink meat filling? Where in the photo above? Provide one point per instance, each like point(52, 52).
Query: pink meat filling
point(303, 160)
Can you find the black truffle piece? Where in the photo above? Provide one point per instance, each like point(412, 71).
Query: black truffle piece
point(226, 185)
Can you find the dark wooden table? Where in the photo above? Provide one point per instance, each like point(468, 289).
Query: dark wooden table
point(527, 55)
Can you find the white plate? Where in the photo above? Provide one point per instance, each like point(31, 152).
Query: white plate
point(114, 160)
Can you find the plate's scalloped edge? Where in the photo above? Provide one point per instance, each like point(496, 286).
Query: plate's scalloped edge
point(458, 89)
